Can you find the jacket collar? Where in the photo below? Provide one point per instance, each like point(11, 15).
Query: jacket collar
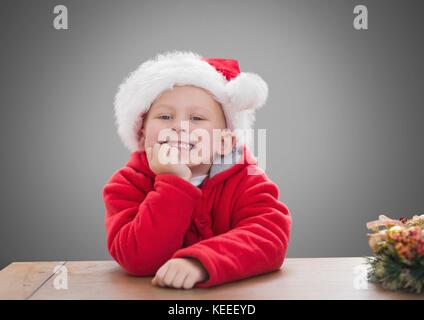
point(222, 163)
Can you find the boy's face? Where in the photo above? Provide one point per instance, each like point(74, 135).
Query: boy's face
point(179, 109)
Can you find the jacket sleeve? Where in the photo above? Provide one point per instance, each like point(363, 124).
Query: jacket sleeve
point(257, 241)
point(145, 223)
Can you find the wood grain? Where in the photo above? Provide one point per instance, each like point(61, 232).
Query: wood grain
point(299, 278)
point(20, 280)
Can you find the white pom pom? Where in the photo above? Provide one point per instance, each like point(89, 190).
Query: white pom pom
point(247, 91)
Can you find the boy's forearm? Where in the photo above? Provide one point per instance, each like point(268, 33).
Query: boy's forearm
point(258, 219)
point(227, 258)
point(142, 237)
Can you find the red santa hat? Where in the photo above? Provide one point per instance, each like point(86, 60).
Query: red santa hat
point(239, 93)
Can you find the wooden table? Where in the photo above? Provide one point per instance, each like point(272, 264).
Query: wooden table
point(303, 278)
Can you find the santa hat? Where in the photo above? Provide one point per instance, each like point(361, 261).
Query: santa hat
point(239, 93)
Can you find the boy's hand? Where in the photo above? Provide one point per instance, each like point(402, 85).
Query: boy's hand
point(164, 159)
point(180, 273)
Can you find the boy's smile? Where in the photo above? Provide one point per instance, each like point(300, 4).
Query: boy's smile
point(179, 144)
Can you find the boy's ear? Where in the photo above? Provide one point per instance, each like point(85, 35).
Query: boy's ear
point(141, 134)
point(227, 142)
point(141, 139)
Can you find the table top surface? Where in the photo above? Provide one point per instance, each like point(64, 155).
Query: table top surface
point(299, 278)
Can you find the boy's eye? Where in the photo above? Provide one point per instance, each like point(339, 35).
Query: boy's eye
point(165, 117)
point(197, 118)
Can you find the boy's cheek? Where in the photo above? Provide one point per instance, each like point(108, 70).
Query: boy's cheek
point(149, 142)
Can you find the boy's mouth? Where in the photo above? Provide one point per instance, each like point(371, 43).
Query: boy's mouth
point(179, 144)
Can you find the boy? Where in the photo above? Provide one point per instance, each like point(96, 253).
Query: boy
point(190, 207)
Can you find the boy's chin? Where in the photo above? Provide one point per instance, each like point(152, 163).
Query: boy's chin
point(197, 162)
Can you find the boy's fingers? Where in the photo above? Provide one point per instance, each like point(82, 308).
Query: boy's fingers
point(179, 279)
point(189, 282)
point(163, 153)
point(169, 277)
point(149, 153)
point(160, 274)
point(173, 155)
point(155, 151)
point(154, 281)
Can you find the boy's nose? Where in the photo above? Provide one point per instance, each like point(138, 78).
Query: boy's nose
point(180, 125)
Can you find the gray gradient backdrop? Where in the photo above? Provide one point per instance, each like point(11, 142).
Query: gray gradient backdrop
point(344, 116)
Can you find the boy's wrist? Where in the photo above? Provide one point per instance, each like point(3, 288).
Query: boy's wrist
point(177, 184)
point(185, 177)
point(184, 173)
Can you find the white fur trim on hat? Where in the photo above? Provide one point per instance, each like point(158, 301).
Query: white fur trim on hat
point(238, 97)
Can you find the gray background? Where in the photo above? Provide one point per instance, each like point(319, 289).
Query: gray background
point(344, 117)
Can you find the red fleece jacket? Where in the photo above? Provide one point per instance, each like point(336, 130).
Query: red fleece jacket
point(233, 223)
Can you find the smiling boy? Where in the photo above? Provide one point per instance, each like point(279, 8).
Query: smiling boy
point(176, 211)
